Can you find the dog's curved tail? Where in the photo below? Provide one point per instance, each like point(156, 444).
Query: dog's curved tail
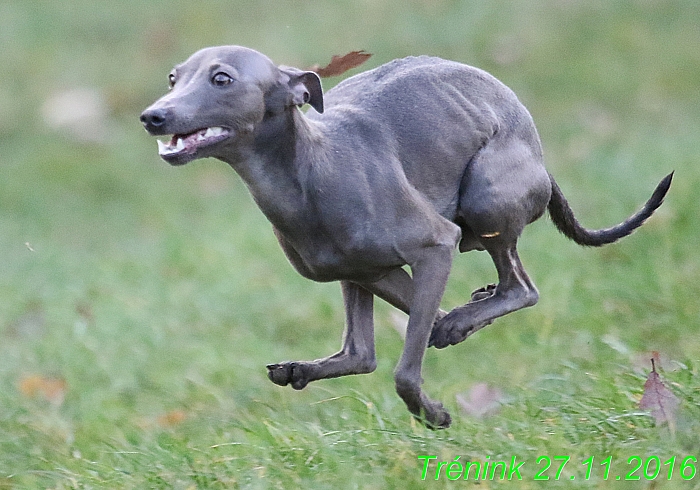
point(565, 221)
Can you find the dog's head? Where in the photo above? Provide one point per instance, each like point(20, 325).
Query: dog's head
point(219, 97)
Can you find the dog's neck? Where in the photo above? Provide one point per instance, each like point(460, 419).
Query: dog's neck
point(286, 147)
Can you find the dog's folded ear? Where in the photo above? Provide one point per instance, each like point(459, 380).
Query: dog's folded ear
point(304, 87)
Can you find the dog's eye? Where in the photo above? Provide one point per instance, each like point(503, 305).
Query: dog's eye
point(171, 80)
point(221, 79)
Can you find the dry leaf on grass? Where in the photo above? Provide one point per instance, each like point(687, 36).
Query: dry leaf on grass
point(481, 400)
point(50, 389)
point(341, 64)
point(658, 399)
point(172, 418)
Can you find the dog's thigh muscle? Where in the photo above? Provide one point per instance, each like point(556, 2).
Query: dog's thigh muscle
point(504, 188)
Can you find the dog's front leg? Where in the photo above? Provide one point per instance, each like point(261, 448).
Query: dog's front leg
point(357, 355)
point(396, 288)
point(430, 273)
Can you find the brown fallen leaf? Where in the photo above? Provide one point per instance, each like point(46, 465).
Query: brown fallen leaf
point(51, 389)
point(341, 64)
point(481, 400)
point(658, 399)
point(172, 418)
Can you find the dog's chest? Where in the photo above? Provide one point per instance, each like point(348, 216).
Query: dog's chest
point(339, 253)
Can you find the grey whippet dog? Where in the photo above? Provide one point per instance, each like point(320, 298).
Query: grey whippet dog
point(395, 167)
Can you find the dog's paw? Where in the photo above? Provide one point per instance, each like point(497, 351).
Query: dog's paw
point(434, 416)
point(453, 328)
point(428, 412)
point(483, 293)
point(288, 373)
point(445, 331)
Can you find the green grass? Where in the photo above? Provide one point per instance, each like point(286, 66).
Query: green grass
point(157, 295)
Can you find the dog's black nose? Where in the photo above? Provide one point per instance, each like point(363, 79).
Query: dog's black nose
point(153, 119)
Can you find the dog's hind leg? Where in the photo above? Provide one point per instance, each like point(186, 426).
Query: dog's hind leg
point(514, 291)
point(504, 188)
point(357, 355)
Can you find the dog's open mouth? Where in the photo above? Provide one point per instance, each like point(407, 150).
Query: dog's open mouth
point(188, 144)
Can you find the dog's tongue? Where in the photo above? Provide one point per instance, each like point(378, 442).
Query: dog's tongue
point(187, 139)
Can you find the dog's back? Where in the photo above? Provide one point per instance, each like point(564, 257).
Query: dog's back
point(431, 115)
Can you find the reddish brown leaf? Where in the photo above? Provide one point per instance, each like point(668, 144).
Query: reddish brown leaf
point(50, 389)
point(658, 399)
point(171, 419)
point(481, 400)
point(341, 64)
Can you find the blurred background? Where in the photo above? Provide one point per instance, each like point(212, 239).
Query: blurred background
point(137, 299)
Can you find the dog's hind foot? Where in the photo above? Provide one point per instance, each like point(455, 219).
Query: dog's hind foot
point(454, 327)
point(483, 293)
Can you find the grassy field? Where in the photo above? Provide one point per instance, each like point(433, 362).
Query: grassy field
point(140, 303)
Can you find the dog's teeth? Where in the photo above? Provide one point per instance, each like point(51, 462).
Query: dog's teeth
point(170, 148)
